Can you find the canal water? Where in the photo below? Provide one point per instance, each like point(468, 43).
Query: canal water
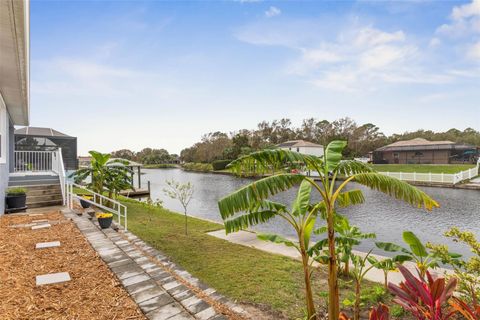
point(381, 214)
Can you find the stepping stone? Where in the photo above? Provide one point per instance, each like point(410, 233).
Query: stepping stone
point(41, 226)
point(44, 245)
point(52, 278)
point(40, 221)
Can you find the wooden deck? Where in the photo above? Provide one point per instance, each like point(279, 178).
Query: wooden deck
point(135, 192)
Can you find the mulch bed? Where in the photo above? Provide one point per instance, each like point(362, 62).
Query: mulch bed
point(93, 292)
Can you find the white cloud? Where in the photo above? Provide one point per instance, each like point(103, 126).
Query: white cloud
point(272, 12)
point(464, 20)
point(466, 10)
point(474, 51)
point(383, 56)
point(370, 37)
point(86, 78)
point(463, 31)
point(434, 42)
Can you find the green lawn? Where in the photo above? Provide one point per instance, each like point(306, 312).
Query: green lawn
point(239, 272)
point(422, 168)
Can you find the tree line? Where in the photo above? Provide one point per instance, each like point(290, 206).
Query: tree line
point(146, 156)
point(361, 138)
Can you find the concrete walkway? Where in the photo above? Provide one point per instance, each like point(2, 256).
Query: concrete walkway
point(161, 289)
point(249, 239)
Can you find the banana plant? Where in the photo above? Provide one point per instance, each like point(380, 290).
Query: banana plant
point(389, 265)
point(347, 237)
point(104, 173)
point(301, 217)
point(424, 258)
point(361, 266)
point(330, 168)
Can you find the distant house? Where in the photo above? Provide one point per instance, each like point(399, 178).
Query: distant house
point(303, 147)
point(423, 151)
point(48, 139)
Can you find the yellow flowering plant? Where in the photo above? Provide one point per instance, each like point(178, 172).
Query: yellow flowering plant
point(104, 215)
point(87, 197)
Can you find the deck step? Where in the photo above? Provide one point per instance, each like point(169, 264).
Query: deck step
point(48, 203)
point(44, 195)
point(40, 192)
point(35, 199)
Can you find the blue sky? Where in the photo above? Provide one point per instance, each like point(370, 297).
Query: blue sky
point(160, 74)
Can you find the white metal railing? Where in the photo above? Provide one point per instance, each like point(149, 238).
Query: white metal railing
point(59, 169)
point(32, 161)
point(99, 201)
point(452, 178)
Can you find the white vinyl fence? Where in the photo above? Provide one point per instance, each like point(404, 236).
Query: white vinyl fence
point(452, 178)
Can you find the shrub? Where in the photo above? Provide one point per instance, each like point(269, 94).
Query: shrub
point(16, 191)
point(202, 167)
point(220, 164)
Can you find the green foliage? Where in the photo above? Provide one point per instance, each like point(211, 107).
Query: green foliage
point(147, 156)
point(467, 271)
point(361, 138)
point(220, 164)
point(160, 166)
point(201, 167)
point(251, 198)
point(104, 173)
point(347, 236)
point(397, 311)
point(14, 191)
point(301, 217)
point(370, 296)
point(424, 258)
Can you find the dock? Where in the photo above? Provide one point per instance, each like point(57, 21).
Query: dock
point(135, 192)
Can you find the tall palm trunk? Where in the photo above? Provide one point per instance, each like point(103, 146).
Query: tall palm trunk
point(308, 285)
point(333, 296)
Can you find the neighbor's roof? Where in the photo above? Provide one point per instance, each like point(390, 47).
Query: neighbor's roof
point(298, 144)
point(43, 132)
point(423, 144)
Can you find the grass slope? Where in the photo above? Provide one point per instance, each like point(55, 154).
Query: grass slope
point(422, 168)
point(239, 272)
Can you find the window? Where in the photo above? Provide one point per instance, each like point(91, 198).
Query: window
point(395, 155)
point(3, 131)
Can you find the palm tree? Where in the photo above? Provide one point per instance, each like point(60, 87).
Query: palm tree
point(330, 168)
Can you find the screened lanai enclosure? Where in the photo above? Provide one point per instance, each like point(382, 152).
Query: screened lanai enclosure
point(39, 142)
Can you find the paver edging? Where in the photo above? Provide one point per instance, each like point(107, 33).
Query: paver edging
point(174, 282)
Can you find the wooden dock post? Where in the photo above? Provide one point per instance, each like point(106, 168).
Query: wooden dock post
point(148, 186)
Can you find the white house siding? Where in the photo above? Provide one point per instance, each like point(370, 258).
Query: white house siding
point(7, 164)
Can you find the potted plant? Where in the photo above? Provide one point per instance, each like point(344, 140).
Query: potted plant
point(16, 198)
point(104, 219)
point(84, 203)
